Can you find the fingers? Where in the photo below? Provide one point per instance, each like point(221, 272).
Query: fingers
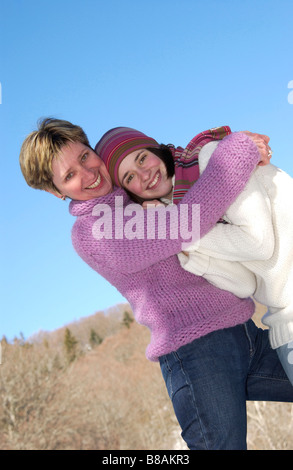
point(265, 153)
point(261, 136)
point(266, 138)
point(262, 143)
point(153, 203)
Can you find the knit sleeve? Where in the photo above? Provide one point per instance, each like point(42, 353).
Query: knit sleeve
point(224, 178)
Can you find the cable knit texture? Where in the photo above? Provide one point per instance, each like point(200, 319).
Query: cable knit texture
point(174, 304)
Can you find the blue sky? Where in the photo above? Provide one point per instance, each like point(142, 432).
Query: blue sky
point(169, 68)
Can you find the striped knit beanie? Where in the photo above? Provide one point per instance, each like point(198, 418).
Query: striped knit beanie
point(117, 143)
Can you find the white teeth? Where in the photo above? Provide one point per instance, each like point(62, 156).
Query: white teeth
point(95, 184)
point(154, 181)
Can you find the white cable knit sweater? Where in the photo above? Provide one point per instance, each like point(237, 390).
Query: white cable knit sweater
point(253, 254)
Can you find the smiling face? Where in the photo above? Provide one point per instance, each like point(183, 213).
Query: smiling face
point(80, 174)
point(144, 174)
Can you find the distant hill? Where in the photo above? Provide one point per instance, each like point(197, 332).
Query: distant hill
point(101, 394)
point(89, 386)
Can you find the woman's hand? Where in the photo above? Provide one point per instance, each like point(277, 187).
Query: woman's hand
point(153, 203)
point(262, 143)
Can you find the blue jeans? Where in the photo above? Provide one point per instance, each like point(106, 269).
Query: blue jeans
point(210, 379)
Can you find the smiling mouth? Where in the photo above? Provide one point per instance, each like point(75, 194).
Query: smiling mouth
point(96, 183)
point(155, 180)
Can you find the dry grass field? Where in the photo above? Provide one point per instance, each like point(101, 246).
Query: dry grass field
point(270, 425)
point(89, 386)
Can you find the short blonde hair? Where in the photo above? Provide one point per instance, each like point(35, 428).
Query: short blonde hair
point(42, 146)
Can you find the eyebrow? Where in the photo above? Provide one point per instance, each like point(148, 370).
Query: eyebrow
point(135, 160)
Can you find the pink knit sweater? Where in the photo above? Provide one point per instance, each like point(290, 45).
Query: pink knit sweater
point(174, 304)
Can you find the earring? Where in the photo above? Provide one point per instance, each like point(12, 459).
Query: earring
point(63, 198)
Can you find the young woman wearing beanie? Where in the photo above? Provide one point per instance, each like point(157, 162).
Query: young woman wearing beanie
point(249, 255)
point(212, 356)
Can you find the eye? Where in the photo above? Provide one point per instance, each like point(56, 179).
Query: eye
point(142, 159)
point(69, 176)
point(84, 157)
point(129, 179)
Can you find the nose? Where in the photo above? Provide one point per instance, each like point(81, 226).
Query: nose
point(86, 171)
point(86, 174)
point(144, 174)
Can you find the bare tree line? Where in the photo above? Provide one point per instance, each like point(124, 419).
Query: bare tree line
point(89, 386)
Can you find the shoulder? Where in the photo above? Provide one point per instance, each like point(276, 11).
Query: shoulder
point(205, 154)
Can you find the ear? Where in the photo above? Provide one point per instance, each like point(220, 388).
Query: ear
point(55, 194)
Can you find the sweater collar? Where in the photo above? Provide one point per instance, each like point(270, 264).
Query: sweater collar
point(77, 208)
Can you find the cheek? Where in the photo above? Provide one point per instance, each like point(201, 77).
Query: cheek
point(107, 177)
point(154, 161)
point(135, 188)
point(58, 184)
